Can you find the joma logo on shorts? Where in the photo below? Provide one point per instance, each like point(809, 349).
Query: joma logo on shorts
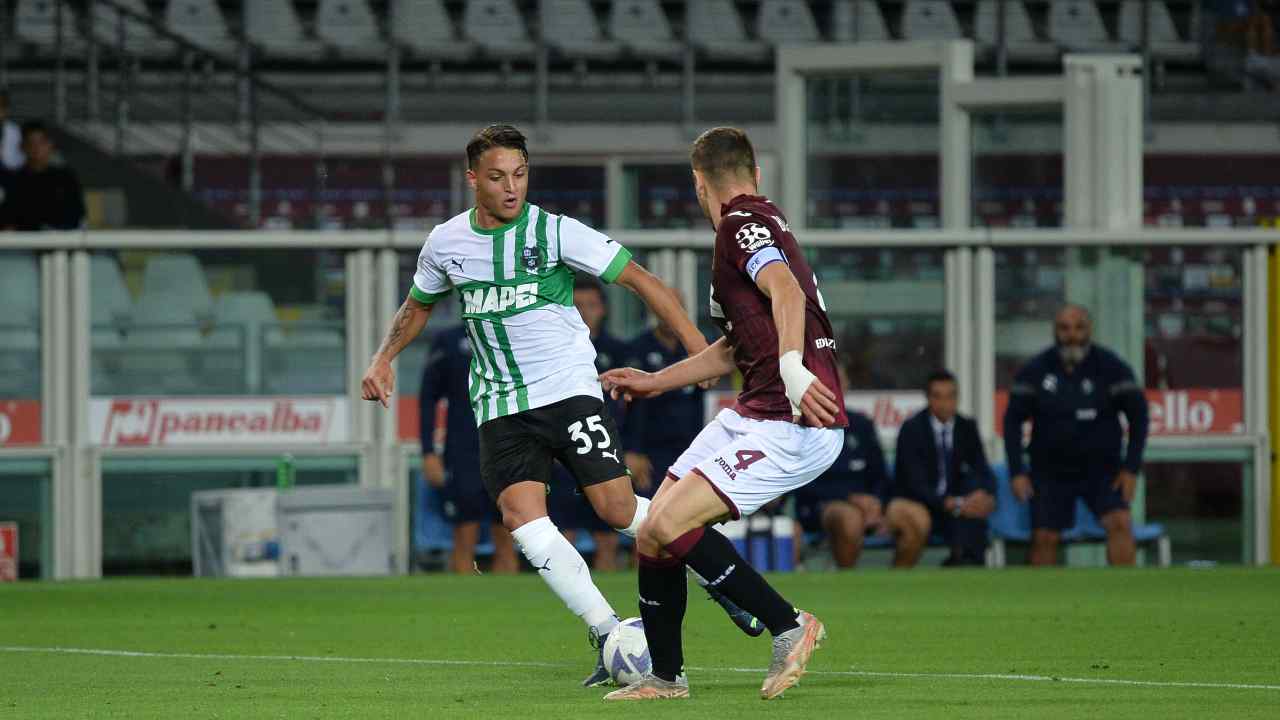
point(498, 299)
point(728, 470)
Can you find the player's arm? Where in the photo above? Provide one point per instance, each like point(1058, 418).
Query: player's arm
point(409, 320)
point(809, 397)
point(429, 395)
point(630, 383)
point(664, 302)
point(1022, 406)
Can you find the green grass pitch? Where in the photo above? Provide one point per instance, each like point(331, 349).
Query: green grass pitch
point(923, 644)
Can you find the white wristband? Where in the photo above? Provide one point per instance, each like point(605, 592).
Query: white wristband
point(796, 379)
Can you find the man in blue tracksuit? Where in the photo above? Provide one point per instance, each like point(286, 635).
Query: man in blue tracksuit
point(455, 470)
point(1074, 393)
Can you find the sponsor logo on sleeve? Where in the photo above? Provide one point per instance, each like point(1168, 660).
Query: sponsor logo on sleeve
point(753, 236)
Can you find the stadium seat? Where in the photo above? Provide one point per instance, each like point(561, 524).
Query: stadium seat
point(349, 27)
point(1020, 38)
point(308, 359)
point(273, 27)
point(424, 28)
point(161, 349)
point(786, 22)
point(178, 274)
point(859, 21)
point(35, 23)
point(20, 291)
point(571, 27)
point(1077, 25)
point(1011, 523)
point(241, 320)
point(930, 20)
point(112, 306)
point(716, 28)
point(499, 28)
point(140, 37)
point(1165, 42)
point(201, 23)
point(642, 27)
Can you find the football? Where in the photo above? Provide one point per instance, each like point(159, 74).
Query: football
point(626, 653)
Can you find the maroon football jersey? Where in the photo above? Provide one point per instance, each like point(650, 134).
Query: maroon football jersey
point(752, 234)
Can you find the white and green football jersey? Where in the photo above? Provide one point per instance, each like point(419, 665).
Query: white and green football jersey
point(515, 283)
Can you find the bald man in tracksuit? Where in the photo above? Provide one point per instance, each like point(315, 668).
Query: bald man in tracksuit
point(1074, 393)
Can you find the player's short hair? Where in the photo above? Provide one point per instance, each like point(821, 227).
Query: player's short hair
point(937, 376)
point(590, 284)
point(722, 152)
point(497, 135)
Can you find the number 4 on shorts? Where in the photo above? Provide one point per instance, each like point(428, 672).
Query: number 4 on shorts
point(747, 457)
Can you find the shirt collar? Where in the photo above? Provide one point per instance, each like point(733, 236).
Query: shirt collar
point(938, 425)
point(737, 200)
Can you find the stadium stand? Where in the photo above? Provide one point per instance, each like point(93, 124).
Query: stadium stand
point(859, 21)
point(140, 38)
point(1020, 37)
point(35, 24)
point(1077, 26)
point(169, 275)
point(1166, 44)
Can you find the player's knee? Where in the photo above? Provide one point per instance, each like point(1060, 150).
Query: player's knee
point(844, 521)
point(618, 512)
point(1044, 539)
point(660, 530)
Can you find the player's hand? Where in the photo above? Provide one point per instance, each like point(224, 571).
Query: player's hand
point(641, 470)
point(978, 504)
point(630, 384)
point(1126, 482)
point(1021, 486)
point(433, 470)
point(818, 406)
point(378, 382)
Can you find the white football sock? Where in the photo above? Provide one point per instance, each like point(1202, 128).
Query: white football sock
point(562, 567)
point(642, 511)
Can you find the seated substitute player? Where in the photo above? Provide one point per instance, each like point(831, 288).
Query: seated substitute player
point(844, 502)
point(455, 471)
point(942, 483)
point(1073, 393)
point(533, 385)
point(786, 428)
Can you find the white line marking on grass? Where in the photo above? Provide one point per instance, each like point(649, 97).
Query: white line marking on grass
point(519, 663)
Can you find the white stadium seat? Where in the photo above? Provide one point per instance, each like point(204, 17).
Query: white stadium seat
point(160, 349)
point(571, 27)
point(930, 20)
point(140, 38)
point(273, 27)
point(1077, 25)
point(349, 27)
point(1020, 39)
point(201, 23)
point(424, 28)
point(859, 21)
point(179, 275)
point(35, 23)
point(642, 26)
point(499, 28)
point(786, 22)
point(1165, 42)
point(716, 28)
point(111, 304)
point(20, 290)
point(241, 319)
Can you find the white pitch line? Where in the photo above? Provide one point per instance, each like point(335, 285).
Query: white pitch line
point(517, 663)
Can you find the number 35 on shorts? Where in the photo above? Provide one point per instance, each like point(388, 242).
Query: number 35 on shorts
point(586, 438)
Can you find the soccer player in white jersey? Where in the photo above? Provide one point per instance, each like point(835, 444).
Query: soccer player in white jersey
point(533, 382)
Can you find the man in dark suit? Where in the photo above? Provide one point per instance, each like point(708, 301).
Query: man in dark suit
point(942, 483)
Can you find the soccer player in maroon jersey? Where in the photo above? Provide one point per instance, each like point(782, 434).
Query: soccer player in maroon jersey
point(786, 428)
